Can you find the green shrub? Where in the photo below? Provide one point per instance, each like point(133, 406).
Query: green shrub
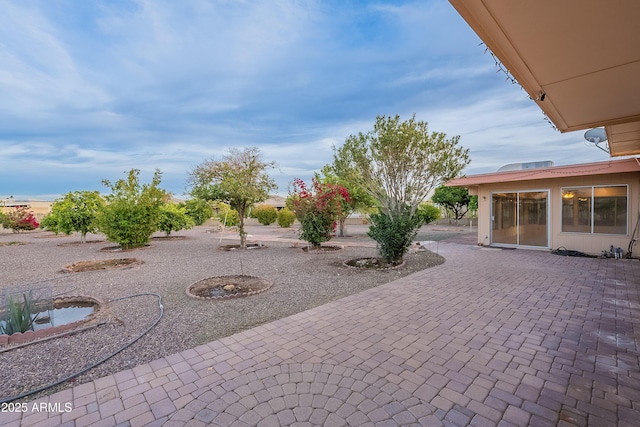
point(265, 214)
point(394, 233)
point(316, 228)
point(227, 216)
point(173, 218)
point(76, 211)
point(428, 213)
point(132, 211)
point(199, 210)
point(286, 218)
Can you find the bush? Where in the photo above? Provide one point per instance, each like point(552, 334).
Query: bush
point(76, 211)
point(318, 208)
point(132, 211)
point(199, 210)
point(173, 218)
point(428, 213)
point(227, 216)
point(286, 218)
point(19, 219)
point(394, 233)
point(265, 214)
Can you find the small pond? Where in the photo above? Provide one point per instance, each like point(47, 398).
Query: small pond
point(63, 314)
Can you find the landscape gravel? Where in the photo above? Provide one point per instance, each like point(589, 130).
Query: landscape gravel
point(300, 281)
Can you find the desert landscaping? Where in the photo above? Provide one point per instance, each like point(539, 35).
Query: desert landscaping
point(136, 295)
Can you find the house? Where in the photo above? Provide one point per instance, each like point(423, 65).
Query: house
point(587, 207)
point(579, 61)
point(276, 201)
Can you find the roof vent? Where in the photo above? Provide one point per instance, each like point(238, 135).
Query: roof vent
point(524, 166)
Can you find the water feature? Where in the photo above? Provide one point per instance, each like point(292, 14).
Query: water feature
point(63, 314)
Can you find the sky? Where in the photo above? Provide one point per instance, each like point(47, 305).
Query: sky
point(92, 89)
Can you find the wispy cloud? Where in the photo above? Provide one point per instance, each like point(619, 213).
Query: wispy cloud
point(92, 89)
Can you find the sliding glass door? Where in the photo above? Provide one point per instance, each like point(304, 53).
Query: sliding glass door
point(520, 218)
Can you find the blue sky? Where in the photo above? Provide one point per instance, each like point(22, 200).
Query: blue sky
point(92, 89)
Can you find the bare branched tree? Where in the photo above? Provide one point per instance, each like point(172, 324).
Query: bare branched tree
point(239, 179)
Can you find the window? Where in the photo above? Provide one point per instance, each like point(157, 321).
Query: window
point(597, 209)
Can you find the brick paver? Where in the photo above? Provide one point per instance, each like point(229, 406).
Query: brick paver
point(491, 337)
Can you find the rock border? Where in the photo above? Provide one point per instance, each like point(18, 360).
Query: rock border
point(354, 267)
point(268, 285)
point(323, 249)
point(134, 261)
point(22, 338)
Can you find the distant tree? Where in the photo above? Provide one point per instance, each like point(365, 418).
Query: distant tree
point(75, 211)
point(132, 211)
point(174, 218)
point(455, 200)
point(473, 207)
point(239, 179)
point(398, 164)
point(199, 210)
point(428, 212)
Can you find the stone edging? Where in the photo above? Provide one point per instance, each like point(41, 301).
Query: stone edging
point(370, 269)
point(225, 297)
point(21, 338)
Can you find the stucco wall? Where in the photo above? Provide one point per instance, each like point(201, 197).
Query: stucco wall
point(588, 243)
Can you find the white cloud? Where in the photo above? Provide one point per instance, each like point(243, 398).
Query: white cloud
point(90, 90)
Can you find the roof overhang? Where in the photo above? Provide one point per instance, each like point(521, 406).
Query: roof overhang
point(555, 172)
point(579, 60)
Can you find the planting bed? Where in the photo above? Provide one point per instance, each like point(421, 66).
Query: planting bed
point(224, 287)
point(300, 282)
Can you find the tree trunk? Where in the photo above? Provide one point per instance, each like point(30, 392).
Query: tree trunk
point(243, 235)
point(341, 227)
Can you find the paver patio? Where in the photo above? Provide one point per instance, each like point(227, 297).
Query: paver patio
point(491, 337)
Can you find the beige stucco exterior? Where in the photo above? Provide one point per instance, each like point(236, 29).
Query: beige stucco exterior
point(611, 176)
point(588, 243)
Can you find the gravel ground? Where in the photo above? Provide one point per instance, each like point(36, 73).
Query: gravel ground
point(300, 281)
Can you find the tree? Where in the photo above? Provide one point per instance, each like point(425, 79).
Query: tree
point(75, 211)
point(174, 218)
point(398, 164)
point(239, 179)
point(199, 210)
point(359, 199)
point(455, 200)
point(428, 213)
point(318, 209)
point(132, 211)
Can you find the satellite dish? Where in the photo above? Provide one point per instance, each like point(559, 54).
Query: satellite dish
point(596, 136)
